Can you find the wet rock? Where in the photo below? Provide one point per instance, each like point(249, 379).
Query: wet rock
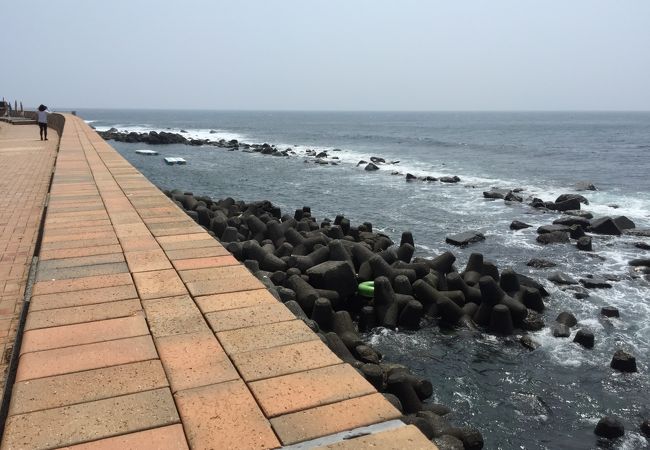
point(624, 223)
point(448, 442)
point(640, 262)
point(529, 343)
point(645, 428)
point(371, 167)
point(393, 400)
point(534, 321)
point(453, 179)
point(421, 423)
point(643, 232)
point(609, 311)
point(437, 408)
point(567, 318)
point(642, 245)
point(623, 361)
point(605, 225)
point(585, 338)
point(539, 263)
point(561, 278)
point(553, 229)
point(609, 428)
point(565, 197)
point(560, 330)
point(585, 186)
point(496, 193)
point(512, 197)
point(584, 244)
point(362, 162)
point(517, 225)
point(464, 239)
point(566, 205)
point(471, 437)
point(595, 283)
point(572, 220)
point(555, 237)
point(579, 213)
point(410, 177)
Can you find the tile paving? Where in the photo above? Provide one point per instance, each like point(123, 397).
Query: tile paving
point(144, 332)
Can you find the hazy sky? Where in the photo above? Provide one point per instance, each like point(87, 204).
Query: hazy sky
point(328, 55)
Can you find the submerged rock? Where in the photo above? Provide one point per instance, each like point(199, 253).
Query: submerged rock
point(466, 238)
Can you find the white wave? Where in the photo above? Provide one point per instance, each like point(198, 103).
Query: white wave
point(189, 133)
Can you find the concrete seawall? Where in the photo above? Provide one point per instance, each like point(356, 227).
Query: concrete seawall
point(144, 332)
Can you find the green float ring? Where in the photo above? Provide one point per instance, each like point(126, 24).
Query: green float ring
point(367, 289)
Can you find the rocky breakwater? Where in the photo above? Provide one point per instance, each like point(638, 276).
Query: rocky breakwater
point(316, 268)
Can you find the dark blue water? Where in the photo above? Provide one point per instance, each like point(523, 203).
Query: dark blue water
point(550, 398)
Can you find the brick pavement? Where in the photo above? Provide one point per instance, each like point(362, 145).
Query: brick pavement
point(145, 333)
point(26, 165)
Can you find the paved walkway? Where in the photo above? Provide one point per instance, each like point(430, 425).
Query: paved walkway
point(143, 332)
point(26, 165)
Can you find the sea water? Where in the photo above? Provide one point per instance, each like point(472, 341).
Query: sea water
point(550, 398)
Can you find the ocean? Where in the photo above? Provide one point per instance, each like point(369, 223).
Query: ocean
point(549, 398)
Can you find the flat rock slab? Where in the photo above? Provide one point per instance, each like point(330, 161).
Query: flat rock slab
point(466, 238)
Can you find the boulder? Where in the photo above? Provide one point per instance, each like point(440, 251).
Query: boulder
point(561, 278)
point(517, 225)
point(377, 160)
point(642, 245)
point(623, 223)
point(585, 186)
point(584, 244)
point(595, 283)
point(572, 220)
point(609, 428)
point(560, 330)
point(565, 197)
point(609, 311)
point(623, 361)
point(566, 205)
point(464, 239)
point(496, 193)
point(410, 177)
point(553, 228)
point(604, 225)
point(585, 338)
point(371, 167)
point(567, 318)
point(512, 197)
point(579, 213)
point(640, 262)
point(539, 263)
point(453, 179)
point(555, 237)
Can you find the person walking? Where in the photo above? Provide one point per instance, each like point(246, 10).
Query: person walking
point(42, 120)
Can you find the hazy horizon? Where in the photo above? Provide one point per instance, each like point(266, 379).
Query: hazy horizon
point(476, 56)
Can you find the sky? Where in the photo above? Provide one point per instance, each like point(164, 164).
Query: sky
point(414, 55)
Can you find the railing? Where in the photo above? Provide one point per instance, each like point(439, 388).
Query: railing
point(55, 121)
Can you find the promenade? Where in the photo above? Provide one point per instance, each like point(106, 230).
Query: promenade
point(143, 332)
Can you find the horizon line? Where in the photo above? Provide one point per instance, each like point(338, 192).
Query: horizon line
point(365, 110)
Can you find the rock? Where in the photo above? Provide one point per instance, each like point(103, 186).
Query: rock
point(645, 428)
point(529, 343)
point(567, 318)
point(566, 205)
point(579, 213)
point(362, 162)
point(464, 239)
point(643, 232)
point(539, 263)
point(516, 225)
point(553, 229)
point(641, 262)
point(604, 225)
point(496, 193)
point(377, 160)
point(642, 245)
point(623, 223)
point(609, 311)
point(560, 330)
point(371, 167)
point(572, 220)
point(565, 197)
point(561, 278)
point(595, 283)
point(448, 442)
point(609, 428)
point(471, 437)
point(534, 321)
point(555, 237)
point(410, 177)
point(585, 186)
point(585, 338)
point(584, 244)
point(623, 361)
point(512, 197)
point(453, 179)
